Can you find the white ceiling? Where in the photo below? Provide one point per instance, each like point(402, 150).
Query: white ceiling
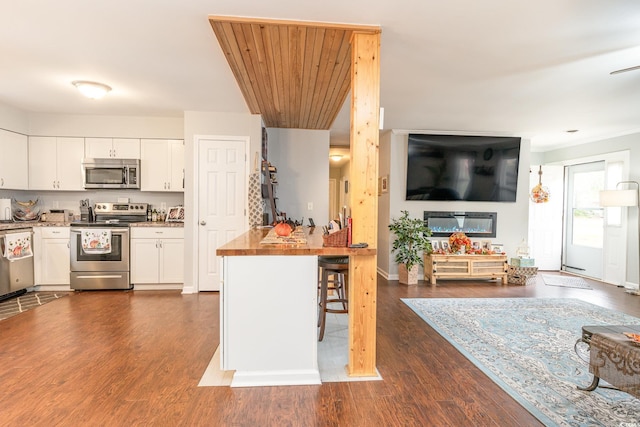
point(532, 69)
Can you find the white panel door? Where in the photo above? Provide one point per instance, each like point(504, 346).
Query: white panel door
point(584, 227)
point(222, 199)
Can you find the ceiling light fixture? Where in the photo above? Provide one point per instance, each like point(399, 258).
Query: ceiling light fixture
point(336, 157)
point(93, 90)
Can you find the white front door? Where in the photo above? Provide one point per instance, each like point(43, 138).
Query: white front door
point(584, 226)
point(222, 202)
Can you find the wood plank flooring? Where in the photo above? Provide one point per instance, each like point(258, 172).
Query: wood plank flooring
point(116, 358)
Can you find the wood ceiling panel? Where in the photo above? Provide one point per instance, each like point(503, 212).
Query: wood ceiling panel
point(295, 74)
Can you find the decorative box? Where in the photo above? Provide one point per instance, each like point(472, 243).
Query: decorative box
point(521, 275)
point(514, 279)
point(523, 262)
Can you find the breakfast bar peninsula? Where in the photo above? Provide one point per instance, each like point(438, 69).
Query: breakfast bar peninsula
point(269, 307)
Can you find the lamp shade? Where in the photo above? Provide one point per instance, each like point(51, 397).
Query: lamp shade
point(619, 198)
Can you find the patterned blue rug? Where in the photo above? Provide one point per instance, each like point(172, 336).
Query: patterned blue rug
point(526, 345)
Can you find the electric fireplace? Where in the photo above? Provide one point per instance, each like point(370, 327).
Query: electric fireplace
point(473, 224)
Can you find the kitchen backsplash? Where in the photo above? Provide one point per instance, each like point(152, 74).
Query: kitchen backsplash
point(71, 199)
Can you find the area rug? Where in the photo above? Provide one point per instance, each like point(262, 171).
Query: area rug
point(565, 281)
point(525, 345)
point(25, 302)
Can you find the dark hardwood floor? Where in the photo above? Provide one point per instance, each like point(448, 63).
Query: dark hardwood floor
point(117, 358)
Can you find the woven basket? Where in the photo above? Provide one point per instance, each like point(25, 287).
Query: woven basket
point(337, 239)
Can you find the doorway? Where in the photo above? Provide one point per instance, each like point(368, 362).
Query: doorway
point(584, 220)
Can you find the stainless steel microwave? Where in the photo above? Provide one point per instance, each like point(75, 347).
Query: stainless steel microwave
point(111, 173)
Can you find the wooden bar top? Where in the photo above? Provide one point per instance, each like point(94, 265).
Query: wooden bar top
point(249, 244)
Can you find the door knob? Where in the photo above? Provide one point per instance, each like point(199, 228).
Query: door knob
point(203, 222)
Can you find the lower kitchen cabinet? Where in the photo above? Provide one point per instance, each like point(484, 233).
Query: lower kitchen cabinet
point(157, 257)
point(51, 257)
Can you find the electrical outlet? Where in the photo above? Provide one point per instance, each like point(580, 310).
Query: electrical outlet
point(309, 206)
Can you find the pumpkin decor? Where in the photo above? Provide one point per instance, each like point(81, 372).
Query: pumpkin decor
point(283, 229)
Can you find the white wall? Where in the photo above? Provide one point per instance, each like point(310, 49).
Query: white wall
point(384, 210)
point(13, 119)
point(106, 126)
point(512, 217)
point(202, 123)
point(302, 159)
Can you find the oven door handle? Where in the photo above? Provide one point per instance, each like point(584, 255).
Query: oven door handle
point(102, 276)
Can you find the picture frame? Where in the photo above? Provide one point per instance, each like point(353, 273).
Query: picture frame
point(486, 244)
point(175, 214)
point(497, 248)
point(435, 245)
point(476, 245)
point(444, 245)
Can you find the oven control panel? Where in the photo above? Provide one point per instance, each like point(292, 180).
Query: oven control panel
point(121, 208)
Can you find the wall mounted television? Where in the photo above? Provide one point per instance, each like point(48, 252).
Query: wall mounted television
point(462, 167)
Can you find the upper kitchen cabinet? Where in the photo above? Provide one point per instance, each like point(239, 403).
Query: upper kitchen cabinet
point(162, 165)
point(55, 163)
point(13, 161)
point(112, 148)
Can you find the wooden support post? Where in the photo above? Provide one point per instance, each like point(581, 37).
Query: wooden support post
point(365, 110)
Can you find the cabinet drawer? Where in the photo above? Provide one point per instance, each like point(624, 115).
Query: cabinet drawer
point(157, 232)
point(55, 232)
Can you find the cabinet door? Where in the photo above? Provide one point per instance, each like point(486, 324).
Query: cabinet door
point(14, 164)
point(144, 260)
point(154, 164)
point(172, 261)
point(126, 148)
point(98, 148)
point(176, 166)
point(55, 262)
point(70, 154)
point(42, 163)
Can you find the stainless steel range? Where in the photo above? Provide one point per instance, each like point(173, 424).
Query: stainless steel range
point(100, 248)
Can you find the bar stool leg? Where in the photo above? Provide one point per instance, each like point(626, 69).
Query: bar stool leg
point(323, 302)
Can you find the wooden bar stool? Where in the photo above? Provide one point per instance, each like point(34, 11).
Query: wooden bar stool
point(335, 271)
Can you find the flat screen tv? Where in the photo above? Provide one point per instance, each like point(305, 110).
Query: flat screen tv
point(468, 168)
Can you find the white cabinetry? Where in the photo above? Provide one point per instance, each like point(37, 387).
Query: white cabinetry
point(13, 161)
point(115, 148)
point(157, 257)
point(52, 257)
point(162, 164)
point(55, 163)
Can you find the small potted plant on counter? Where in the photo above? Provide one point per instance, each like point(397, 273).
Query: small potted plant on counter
point(412, 238)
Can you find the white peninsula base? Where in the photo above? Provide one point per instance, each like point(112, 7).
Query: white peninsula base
point(268, 320)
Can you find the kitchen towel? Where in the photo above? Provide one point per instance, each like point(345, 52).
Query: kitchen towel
point(17, 246)
point(96, 241)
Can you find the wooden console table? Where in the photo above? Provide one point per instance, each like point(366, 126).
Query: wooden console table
point(465, 267)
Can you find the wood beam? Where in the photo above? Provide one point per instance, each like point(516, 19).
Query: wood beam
point(365, 110)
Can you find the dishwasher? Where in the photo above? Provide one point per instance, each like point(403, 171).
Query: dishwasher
point(15, 275)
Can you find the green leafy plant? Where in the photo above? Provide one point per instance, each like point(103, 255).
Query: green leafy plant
point(412, 238)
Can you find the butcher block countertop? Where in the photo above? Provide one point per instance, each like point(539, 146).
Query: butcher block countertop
point(249, 244)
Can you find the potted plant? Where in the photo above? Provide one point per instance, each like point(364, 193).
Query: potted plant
point(411, 240)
